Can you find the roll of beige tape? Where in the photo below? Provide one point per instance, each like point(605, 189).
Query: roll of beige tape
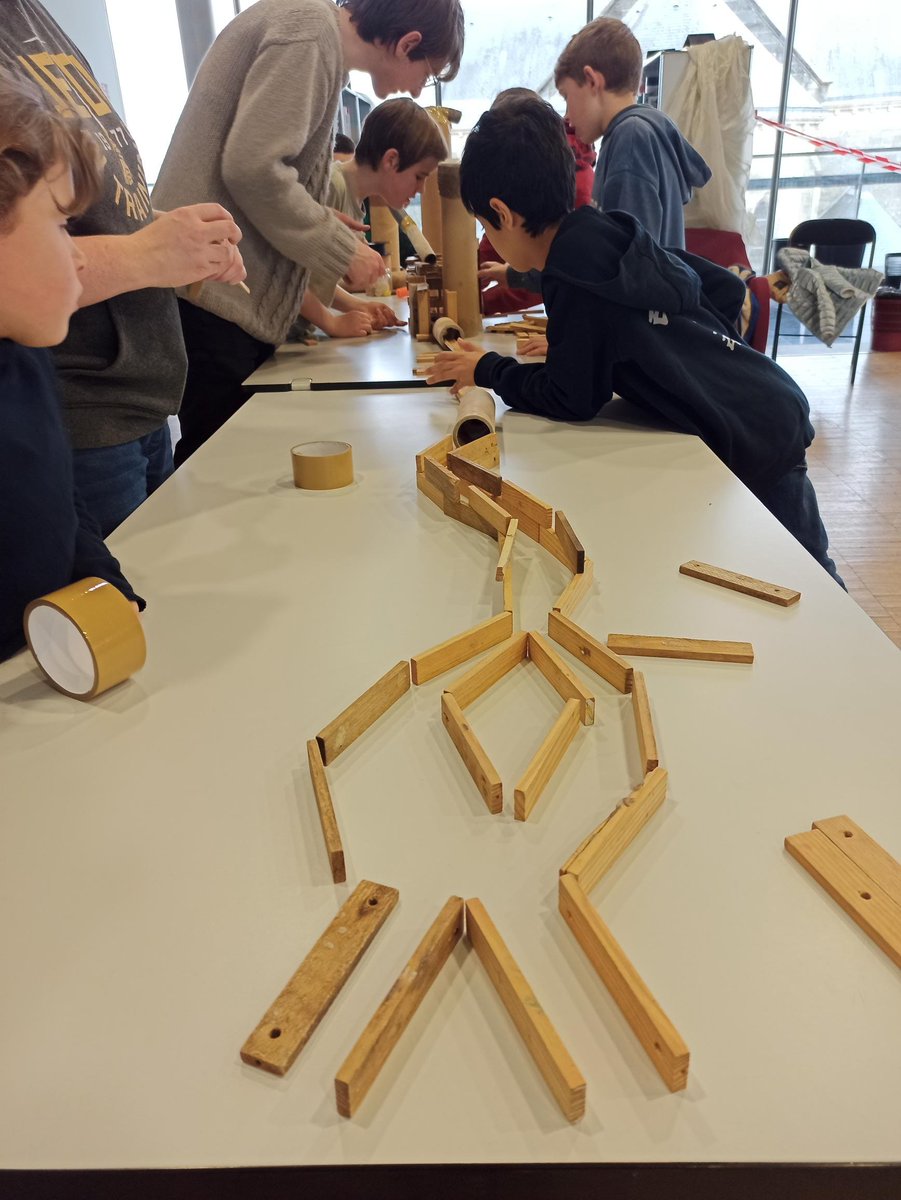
point(476, 416)
point(86, 637)
point(322, 466)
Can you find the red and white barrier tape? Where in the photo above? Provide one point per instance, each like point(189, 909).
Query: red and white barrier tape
point(864, 156)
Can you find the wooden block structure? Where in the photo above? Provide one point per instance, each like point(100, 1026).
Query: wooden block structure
point(290, 1020)
point(772, 592)
point(326, 810)
point(564, 682)
point(363, 712)
point(672, 647)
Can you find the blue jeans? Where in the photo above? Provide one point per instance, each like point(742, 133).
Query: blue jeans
point(113, 480)
point(793, 502)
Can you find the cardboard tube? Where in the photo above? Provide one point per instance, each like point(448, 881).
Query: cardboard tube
point(431, 198)
point(322, 466)
point(446, 332)
point(476, 416)
point(459, 250)
point(86, 637)
point(383, 225)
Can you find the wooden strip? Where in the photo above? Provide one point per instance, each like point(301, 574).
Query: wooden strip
point(474, 683)
point(672, 647)
point(549, 541)
point(364, 711)
point(305, 999)
point(650, 1024)
point(429, 490)
point(560, 677)
point(539, 771)
point(441, 478)
point(604, 845)
point(360, 1069)
point(851, 888)
point(567, 536)
point(438, 453)
point(644, 726)
point(450, 304)
point(575, 591)
point(507, 580)
point(481, 503)
point(506, 548)
point(464, 512)
point(327, 820)
point(461, 647)
point(520, 503)
point(477, 762)
point(865, 853)
point(473, 473)
point(741, 583)
point(484, 451)
point(593, 654)
point(560, 1073)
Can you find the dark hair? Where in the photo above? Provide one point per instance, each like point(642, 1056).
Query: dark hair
point(343, 144)
point(439, 21)
point(518, 152)
point(608, 46)
point(400, 125)
point(514, 93)
point(33, 139)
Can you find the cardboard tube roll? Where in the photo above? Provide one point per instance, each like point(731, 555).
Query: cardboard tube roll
point(322, 466)
point(460, 250)
point(446, 332)
point(431, 198)
point(86, 637)
point(383, 225)
point(476, 416)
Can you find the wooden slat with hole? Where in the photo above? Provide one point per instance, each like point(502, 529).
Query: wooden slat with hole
point(327, 820)
point(474, 473)
point(438, 453)
point(305, 999)
point(461, 647)
point(476, 761)
point(773, 592)
point(560, 677)
point(506, 550)
point(441, 478)
point(603, 846)
point(360, 1069)
point(865, 852)
point(538, 774)
point(490, 670)
point(644, 725)
point(365, 710)
point(481, 503)
point(575, 591)
point(560, 1073)
point(590, 651)
point(650, 1024)
point(701, 649)
point(851, 888)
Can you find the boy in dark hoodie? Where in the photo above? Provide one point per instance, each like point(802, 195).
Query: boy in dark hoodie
point(645, 167)
point(627, 317)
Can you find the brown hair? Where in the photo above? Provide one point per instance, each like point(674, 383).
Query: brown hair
point(33, 139)
point(513, 95)
point(608, 46)
point(439, 21)
point(400, 125)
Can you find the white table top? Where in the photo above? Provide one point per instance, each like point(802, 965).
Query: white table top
point(163, 872)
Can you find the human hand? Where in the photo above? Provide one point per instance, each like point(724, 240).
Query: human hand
point(350, 222)
point(189, 244)
point(365, 268)
point(458, 365)
point(349, 324)
point(493, 273)
point(533, 347)
point(383, 315)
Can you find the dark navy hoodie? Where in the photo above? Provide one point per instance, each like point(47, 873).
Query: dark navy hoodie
point(657, 328)
point(47, 537)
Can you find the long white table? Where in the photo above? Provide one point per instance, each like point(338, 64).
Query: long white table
point(163, 872)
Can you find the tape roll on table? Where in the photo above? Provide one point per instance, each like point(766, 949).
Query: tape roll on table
point(476, 416)
point(86, 637)
point(322, 466)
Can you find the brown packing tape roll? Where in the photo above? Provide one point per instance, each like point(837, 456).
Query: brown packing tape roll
point(322, 466)
point(476, 417)
point(86, 637)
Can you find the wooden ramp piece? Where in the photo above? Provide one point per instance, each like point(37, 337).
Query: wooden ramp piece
point(364, 711)
point(575, 591)
point(850, 887)
point(867, 854)
point(673, 647)
point(327, 820)
point(360, 1069)
point(476, 761)
point(644, 726)
point(438, 453)
point(461, 647)
point(772, 592)
point(473, 472)
point(650, 1024)
point(560, 677)
point(490, 670)
point(305, 999)
point(503, 559)
point(530, 788)
point(604, 845)
point(533, 514)
point(541, 1038)
point(594, 654)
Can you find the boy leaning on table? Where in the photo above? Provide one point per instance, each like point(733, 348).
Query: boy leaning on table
point(627, 317)
point(48, 173)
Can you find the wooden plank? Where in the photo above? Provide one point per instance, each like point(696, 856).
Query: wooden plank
point(474, 683)
point(650, 1024)
point(520, 503)
point(441, 478)
point(644, 725)
point(772, 592)
point(305, 999)
point(330, 834)
point(539, 771)
point(360, 1069)
point(506, 548)
point(865, 853)
point(473, 473)
point(575, 591)
point(851, 888)
point(560, 677)
point(464, 512)
point(568, 539)
point(673, 647)
point(507, 581)
point(477, 762)
point(364, 711)
point(590, 651)
point(560, 1073)
point(603, 846)
point(437, 452)
point(549, 541)
point(481, 503)
point(484, 451)
point(429, 490)
point(461, 647)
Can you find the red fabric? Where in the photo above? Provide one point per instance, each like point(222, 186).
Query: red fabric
point(585, 163)
point(726, 249)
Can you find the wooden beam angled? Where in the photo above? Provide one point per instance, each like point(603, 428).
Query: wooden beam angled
point(644, 725)
point(575, 591)
point(489, 671)
point(476, 761)
point(538, 774)
point(772, 592)
point(560, 677)
point(509, 537)
point(590, 651)
point(673, 647)
point(438, 453)
point(461, 647)
point(327, 820)
point(363, 712)
point(473, 473)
